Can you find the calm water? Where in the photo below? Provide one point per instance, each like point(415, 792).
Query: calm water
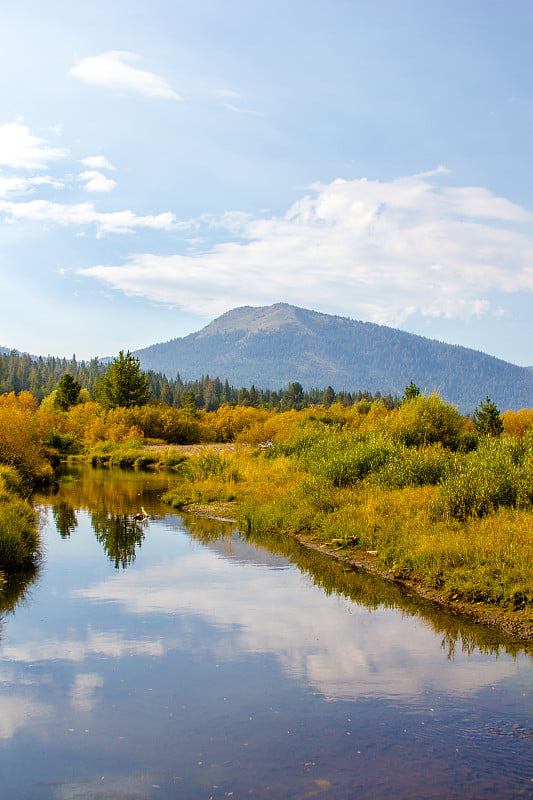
point(177, 659)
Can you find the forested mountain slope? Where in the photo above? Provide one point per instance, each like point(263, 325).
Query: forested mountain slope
point(274, 345)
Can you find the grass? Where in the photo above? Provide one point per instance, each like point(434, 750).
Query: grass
point(460, 524)
point(132, 454)
point(19, 537)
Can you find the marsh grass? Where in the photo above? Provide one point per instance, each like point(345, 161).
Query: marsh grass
point(170, 459)
point(460, 523)
point(19, 537)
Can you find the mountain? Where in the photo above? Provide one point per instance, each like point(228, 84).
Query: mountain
point(275, 345)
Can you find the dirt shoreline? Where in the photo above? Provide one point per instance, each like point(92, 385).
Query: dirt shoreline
point(517, 623)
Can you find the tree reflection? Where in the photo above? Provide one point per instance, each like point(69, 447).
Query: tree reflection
point(14, 590)
point(459, 633)
point(65, 518)
point(119, 534)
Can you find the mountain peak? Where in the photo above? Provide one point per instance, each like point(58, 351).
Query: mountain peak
point(253, 319)
point(271, 346)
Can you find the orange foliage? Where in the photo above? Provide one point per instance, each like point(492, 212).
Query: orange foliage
point(517, 423)
point(19, 442)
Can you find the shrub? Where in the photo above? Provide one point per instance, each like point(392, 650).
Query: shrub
point(10, 480)
point(414, 467)
point(498, 473)
point(172, 458)
point(426, 420)
point(62, 442)
point(19, 445)
point(517, 423)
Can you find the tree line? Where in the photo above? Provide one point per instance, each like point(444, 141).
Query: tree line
point(42, 375)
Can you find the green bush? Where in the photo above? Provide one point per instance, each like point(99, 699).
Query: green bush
point(498, 473)
point(344, 459)
point(171, 459)
point(413, 467)
point(64, 443)
point(426, 419)
point(10, 480)
point(144, 460)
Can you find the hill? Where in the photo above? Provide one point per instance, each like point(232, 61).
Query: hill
point(274, 345)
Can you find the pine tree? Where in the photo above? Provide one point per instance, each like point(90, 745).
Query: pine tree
point(123, 384)
point(487, 419)
point(411, 392)
point(67, 393)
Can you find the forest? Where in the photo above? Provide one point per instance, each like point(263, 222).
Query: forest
point(40, 376)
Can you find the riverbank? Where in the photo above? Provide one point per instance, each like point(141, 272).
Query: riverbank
point(19, 536)
point(475, 564)
point(516, 623)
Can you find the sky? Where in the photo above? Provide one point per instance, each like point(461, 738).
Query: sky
point(164, 162)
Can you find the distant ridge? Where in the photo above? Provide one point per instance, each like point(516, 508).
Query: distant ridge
point(271, 346)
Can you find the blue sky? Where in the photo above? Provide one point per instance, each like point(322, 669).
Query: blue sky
point(164, 162)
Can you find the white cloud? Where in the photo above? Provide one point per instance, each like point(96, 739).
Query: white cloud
point(226, 94)
point(111, 70)
point(97, 162)
point(83, 214)
point(18, 148)
point(18, 186)
point(97, 181)
point(378, 250)
point(238, 110)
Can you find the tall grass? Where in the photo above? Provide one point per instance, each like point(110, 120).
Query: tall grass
point(19, 537)
point(460, 523)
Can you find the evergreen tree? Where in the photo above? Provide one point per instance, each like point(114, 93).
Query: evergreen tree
point(123, 384)
point(67, 393)
point(243, 398)
point(328, 397)
point(487, 419)
point(293, 397)
point(188, 405)
point(411, 392)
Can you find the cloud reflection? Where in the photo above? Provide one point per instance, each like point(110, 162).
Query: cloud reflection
point(341, 649)
point(107, 644)
point(17, 711)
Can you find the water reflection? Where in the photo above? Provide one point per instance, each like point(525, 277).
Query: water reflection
point(458, 632)
point(112, 497)
point(119, 534)
point(119, 491)
point(341, 648)
point(217, 664)
point(65, 518)
point(15, 589)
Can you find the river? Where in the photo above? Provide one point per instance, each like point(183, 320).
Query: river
point(178, 658)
